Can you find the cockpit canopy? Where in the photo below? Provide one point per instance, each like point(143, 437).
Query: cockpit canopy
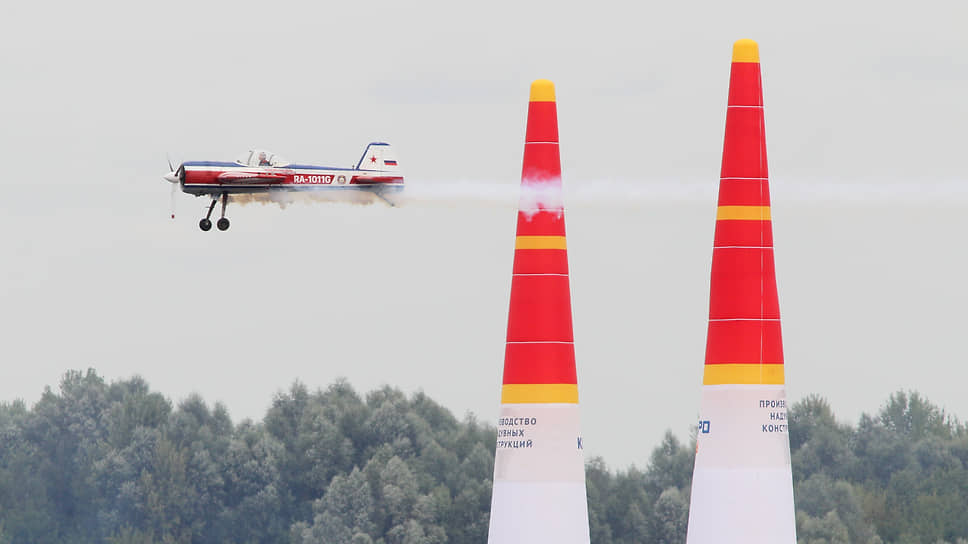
point(261, 157)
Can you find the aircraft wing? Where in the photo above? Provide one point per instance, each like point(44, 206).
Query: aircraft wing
point(251, 177)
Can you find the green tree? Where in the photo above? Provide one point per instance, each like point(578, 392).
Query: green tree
point(819, 495)
point(94, 462)
point(911, 416)
point(826, 530)
point(670, 465)
point(817, 442)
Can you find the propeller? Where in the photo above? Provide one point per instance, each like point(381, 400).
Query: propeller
point(172, 203)
point(172, 177)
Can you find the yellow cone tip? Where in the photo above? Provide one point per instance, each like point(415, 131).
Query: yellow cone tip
point(745, 51)
point(542, 90)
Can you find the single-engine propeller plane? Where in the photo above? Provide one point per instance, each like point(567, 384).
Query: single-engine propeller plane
point(260, 171)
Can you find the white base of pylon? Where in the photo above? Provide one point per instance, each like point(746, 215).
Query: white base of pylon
point(742, 507)
point(539, 477)
point(742, 486)
point(535, 513)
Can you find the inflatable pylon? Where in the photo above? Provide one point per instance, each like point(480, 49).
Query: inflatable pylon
point(742, 485)
point(539, 471)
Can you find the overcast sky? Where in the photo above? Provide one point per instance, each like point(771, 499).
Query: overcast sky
point(866, 125)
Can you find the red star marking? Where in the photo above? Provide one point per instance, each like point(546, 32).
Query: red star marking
point(372, 159)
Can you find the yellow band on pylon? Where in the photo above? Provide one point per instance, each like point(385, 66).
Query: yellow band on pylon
point(540, 242)
point(539, 393)
point(747, 213)
point(542, 90)
point(743, 374)
point(746, 51)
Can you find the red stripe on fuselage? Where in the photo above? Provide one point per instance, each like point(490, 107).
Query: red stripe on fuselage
point(375, 180)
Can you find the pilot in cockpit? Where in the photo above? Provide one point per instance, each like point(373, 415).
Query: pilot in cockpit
point(263, 161)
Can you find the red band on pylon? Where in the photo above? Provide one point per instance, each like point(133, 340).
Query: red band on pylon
point(541, 261)
point(731, 342)
point(744, 148)
point(542, 223)
point(540, 309)
point(542, 166)
point(539, 363)
point(743, 284)
point(743, 234)
point(744, 192)
point(543, 122)
point(745, 85)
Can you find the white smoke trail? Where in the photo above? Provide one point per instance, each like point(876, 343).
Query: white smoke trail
point(931, 191)
point(460, 192)
point(605, 193)
point(285, 198)
point(618, 193)
point(614, 193)
point(529, 198)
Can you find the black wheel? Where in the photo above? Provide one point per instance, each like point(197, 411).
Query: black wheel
point(223, 224)
point(205, 224)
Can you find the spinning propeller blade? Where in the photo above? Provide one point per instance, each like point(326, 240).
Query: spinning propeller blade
point(173, 179)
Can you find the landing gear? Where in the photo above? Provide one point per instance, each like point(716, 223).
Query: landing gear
point(379, 194)
point(223, 223)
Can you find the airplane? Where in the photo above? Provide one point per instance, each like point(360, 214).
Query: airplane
point(260, 171)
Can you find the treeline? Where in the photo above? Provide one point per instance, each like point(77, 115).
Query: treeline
point(118, 463)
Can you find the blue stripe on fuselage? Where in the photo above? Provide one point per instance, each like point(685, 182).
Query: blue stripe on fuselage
point(212, 163)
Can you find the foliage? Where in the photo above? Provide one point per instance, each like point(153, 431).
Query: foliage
point(96, 462)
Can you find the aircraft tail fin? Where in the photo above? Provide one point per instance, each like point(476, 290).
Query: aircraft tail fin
point(378, 157)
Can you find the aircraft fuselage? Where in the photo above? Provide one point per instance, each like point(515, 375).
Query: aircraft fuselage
point(206, 178)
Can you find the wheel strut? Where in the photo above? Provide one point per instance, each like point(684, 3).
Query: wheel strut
point(225, 202)
point(210, 208)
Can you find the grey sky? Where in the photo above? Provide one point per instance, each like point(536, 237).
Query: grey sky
point(865, 117)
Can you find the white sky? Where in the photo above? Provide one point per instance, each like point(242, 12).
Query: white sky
point(866, 120)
